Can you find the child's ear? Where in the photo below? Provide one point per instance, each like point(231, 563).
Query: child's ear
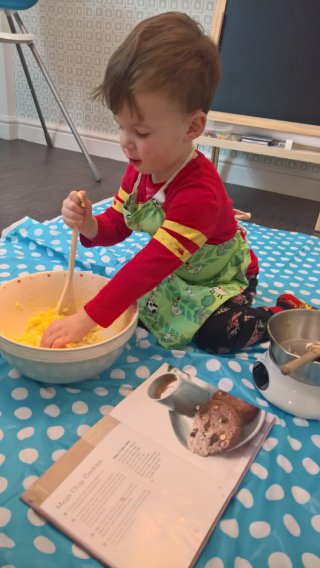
point(196, 125)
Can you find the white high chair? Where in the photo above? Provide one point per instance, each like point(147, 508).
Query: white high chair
point(19, 36)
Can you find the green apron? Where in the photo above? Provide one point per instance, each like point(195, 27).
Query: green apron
point(181, 303)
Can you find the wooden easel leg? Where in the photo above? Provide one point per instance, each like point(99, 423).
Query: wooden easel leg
point(215, 156)
point(317, 227)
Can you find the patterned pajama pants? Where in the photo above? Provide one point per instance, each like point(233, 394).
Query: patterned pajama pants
point(235, 325)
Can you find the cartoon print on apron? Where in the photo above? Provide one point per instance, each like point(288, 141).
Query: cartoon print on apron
point(175, 309)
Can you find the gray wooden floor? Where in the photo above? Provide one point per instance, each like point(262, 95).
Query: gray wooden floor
point(35, 179)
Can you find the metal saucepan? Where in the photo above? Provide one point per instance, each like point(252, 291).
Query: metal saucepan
point(290, 332)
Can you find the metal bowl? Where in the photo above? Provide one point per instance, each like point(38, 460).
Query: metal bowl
point(289, 332)
point(23, 297)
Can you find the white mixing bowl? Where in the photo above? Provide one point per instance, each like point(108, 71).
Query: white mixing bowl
point(23, 297)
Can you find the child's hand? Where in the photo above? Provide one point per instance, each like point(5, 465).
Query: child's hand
point(77, 213)
point(67, 330)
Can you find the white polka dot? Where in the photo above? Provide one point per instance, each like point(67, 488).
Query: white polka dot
point(105, 409)
point(316, 440)
point(315, 522)
point(35, 519)
point(243, 356)
point(275, 492)
point(213, 365)
point(79, 552)
point(57, 455)
point(270, 444)
point(144, 343)
point(295, 444)
point(259, 529)
point(234, 366)
point(177, 353)
point(259, 471)
point(280, 422)
point(101, 391)
point(300, 495)
point(6, 542)
point(291, 525)
point(310, 560)
point(55, 432)
point(248, 384)
point(3, 484)
point(124, 390)
point(117, 374)
point(230, 527)
point(52, 410)
point(225, 384)
point(214, 563)
point(25, 433)
point(72, 390)
point(284, 463)
point(131, 359)
point(246, 498)
point(47, 392)
point(23, 413)
point(141, 333)
point(157, 357)
point(28, 455)
point(83, 429)
point(261, 401)
point(301, 422)
point(14, 374)
point(242, 563)
point(1, 433)
point(44, 544)
point(310, 466)
point(19, 394)
point(142, 372)
point(2, 459)
point(80, 407)
point(5, 516)
point(28, 481)
point(279, 560)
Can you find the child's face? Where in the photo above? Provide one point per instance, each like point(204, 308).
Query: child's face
point(158, 143)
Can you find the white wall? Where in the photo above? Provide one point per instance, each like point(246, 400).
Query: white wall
point(75, 40)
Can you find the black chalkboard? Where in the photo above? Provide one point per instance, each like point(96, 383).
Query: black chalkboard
point(270, 60)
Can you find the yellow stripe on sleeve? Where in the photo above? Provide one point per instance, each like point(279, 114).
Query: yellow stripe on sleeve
point(188, 232)
point(172, 244)
point(119, 200)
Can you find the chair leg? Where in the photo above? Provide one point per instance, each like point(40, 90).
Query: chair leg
point(29, 81)
point(95, 172)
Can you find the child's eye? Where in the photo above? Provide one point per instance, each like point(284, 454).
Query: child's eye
point(142, 134)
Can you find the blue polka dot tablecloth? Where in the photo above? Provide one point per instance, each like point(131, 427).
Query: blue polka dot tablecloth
point(273, 521)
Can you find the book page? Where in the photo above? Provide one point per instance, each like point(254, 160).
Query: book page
point(171, 429)
point(129, 487)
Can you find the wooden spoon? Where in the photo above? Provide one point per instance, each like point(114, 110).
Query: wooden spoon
point(297, 363)
point(66, 304)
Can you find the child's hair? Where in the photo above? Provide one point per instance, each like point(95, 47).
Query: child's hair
point(169, 52)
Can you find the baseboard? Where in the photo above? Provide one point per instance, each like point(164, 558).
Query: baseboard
point(296, 178)
point(96, 144)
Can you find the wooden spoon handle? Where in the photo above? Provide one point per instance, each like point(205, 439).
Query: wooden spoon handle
point(72, 255)
point(297, 363)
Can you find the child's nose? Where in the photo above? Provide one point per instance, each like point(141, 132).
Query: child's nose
point(125, 140)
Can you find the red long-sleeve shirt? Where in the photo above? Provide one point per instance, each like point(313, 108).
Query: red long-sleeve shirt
point(197, 211)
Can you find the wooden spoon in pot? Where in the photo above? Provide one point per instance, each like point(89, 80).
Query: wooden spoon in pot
point(66, 304)
point(312, 354)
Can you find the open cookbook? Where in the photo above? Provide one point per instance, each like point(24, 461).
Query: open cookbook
point(146, 485)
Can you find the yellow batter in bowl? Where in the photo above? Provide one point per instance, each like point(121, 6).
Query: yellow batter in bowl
point(37, 325)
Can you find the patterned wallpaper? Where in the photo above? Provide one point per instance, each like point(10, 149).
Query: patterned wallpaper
point(75, 39)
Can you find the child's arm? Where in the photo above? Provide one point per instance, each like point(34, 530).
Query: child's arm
point(160, 258)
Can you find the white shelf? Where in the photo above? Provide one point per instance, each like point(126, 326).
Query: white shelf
point(298, 152)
